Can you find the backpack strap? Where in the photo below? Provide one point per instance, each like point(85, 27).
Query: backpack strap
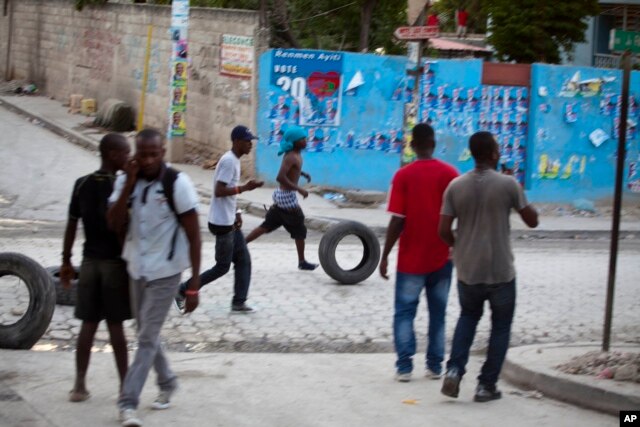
point(169, 177)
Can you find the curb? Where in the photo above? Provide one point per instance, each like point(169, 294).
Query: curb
point(561, 387)
point(72, 136)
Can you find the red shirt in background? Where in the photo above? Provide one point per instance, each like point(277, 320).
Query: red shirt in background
point(433, 21)
point(462, 17)
point(416, 195)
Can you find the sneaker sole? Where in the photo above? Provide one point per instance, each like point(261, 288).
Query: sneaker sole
point(450, 388)
point(487, 399)
point(160, 406)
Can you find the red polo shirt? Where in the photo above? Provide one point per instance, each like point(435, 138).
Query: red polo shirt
point(416, 195)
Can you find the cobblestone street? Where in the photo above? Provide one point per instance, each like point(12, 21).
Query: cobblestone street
point(561, 297)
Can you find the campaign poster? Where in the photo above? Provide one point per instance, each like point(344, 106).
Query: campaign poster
point(236, 56)
point(309, 87)
point(179, 65)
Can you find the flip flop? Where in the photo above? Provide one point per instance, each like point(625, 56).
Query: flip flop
point(78, 396)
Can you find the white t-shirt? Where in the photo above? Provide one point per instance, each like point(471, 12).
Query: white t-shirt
point(223, 209)
point(152, 224)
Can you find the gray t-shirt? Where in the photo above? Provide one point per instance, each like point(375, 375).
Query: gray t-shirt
point(481, 200)
point(223, 209)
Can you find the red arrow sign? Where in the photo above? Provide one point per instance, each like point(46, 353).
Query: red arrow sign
point(416, 33)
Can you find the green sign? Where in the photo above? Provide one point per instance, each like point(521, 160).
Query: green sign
point(623, 40)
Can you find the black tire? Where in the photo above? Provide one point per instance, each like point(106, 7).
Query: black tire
point(42, 301)
point(64, 296)
point(370, 255)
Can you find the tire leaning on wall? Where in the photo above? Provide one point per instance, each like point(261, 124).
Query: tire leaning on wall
point(370, 255)
point(42, 301)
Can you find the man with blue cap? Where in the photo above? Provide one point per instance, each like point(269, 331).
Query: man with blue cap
point(225, 223)
point(285, 210)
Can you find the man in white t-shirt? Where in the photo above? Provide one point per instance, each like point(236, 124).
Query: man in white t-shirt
point(225, 223)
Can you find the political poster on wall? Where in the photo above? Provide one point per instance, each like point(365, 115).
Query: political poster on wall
point(236, 56)
point(179, 56)
point(309, 87)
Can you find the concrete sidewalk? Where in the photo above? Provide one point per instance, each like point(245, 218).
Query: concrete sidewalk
point(320, 213)
point(278, 390)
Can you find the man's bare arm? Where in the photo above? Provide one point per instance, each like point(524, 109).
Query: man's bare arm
point(288, 163)
point(445, 230)
point(189, 222)
point(396, 225)
point(529, 215)
point(66, 270)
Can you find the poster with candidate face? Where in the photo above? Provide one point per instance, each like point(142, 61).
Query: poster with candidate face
point(309, 86)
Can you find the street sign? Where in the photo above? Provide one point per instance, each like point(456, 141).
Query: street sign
point(416, 33)
point(620, 40)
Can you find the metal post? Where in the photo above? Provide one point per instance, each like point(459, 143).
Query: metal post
point(617, 202)
point(8, 10)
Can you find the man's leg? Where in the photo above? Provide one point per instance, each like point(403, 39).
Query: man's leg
point(255, 233)
point(224, 255)
point(83, 355)
point(300, 249)
point(437, 286)
point(242, 269)
point(407, 296)
point(502, 300)
point(151, 301)
point(471, 305)
point(119, 345)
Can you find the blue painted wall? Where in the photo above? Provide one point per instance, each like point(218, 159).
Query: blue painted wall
point(355, 135)
point(359, 147)
point(563, 162)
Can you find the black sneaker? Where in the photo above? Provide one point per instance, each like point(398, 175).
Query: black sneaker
point(179, 303)
point(451, 383)
point(242, 309)
point(485, 393)
point(304, 265)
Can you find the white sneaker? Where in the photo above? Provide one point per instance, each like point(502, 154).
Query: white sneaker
point(432, 375)
point(403, 378)
point(163, 401)
point(129, 418)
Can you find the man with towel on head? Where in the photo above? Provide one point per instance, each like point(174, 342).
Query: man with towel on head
point(285, 210)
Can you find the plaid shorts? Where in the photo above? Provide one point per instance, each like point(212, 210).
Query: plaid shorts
point(285, 199)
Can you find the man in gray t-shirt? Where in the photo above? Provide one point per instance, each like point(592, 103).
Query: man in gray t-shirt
point(482, 200)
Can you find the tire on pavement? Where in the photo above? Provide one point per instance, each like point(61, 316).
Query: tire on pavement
point(42, 301)
point(370, 255)
point(64, 296)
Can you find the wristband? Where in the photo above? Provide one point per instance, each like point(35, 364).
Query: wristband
point(191, 293)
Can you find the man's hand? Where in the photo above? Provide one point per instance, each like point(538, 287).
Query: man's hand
point(304, 193)
point(131, 168)
point(67, 274)
point(192, 301)
point(252, 184)
point(384, 264)
point(238, 223)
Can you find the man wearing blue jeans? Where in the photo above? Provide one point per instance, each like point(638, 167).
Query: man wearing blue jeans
point(423, 259)
point(225, 223)
point(482, 200)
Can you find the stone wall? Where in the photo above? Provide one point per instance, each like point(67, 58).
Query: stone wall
point(100, 52)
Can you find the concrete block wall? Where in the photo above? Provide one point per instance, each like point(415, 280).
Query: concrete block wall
point(100, 53)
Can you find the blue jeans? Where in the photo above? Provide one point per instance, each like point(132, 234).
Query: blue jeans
point(408, 289)
point(502, 300)
point(230, 247)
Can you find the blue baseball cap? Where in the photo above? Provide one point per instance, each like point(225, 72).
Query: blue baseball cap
point(242, 133)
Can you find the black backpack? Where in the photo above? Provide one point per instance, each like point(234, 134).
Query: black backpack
point(168, 179)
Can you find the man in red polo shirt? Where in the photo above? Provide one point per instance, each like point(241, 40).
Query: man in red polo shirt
point(423, 259)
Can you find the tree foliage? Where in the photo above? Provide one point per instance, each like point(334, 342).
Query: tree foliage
point(356, 25)
point(537, 30)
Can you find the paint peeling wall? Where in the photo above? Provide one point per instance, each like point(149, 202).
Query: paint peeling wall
point(100, 52)
point(574, 131)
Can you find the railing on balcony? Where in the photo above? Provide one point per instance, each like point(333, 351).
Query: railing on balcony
point(602, 60)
